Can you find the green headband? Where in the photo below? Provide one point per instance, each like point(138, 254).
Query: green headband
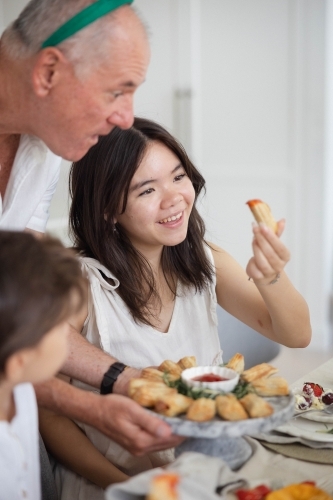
point(82, 19)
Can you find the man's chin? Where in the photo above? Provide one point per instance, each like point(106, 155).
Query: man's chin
point(78, 154)
point(73, 153)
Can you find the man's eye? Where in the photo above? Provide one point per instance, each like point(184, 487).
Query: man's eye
point(148, 191)
point(180, 177)
point(117, 93)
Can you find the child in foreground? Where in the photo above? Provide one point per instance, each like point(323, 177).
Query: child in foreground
point(41, 287)
point(154, 281)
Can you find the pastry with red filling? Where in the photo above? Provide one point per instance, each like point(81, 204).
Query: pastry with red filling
point(262, 213)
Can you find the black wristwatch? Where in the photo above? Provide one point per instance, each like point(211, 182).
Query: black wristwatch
point(111, 376)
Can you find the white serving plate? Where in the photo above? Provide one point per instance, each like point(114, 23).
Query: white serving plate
point(283, 411)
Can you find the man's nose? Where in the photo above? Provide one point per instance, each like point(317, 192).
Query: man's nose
point(123, 117)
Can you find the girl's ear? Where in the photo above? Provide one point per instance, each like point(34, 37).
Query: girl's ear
point(15, 366)
point(114, 219)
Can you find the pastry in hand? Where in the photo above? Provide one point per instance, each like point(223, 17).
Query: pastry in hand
point(236, 363)
point(187, 362)
point(172, 404)
point(271, 386)
point(262, 213)
point(201, 410)
point(256, 406)
point(229, 408)
point(164, 487)
point(258, 371)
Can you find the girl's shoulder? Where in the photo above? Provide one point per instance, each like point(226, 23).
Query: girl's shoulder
point(223, 261)
point(217, 253)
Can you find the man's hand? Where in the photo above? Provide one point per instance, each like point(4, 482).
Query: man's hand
point(133, 427)
point(118, 417)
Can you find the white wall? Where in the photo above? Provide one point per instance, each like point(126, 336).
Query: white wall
point(261, 133)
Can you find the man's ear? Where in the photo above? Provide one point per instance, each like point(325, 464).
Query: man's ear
point(47, 69)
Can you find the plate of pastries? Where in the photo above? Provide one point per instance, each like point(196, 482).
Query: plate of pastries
point(260, 400)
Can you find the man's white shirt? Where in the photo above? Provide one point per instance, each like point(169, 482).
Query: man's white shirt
point(32, 183)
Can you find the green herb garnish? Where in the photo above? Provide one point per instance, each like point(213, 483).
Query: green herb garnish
point(241, 389)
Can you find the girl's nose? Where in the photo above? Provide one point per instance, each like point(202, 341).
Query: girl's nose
point(171, 198)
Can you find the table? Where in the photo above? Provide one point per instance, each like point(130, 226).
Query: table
point(202, 474)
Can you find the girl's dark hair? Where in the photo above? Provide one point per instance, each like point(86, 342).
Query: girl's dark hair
point(37, 281)
point(99, 185)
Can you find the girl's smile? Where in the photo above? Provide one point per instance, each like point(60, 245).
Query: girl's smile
point(172, 219)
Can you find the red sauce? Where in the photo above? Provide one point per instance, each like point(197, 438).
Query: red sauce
point(209, 377)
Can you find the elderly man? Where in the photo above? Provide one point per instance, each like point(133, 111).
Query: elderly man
point(68, 72)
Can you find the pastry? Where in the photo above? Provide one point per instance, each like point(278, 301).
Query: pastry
point(201, 410)
point(147, 392)
point(229, 408)
point(262, 213)
point(148, 396)
point(256, 406)
point(236, 363)
point(164, 487)
point(136, 383)
point(187, 362)
point(170, 367)
point(258, 371)
point(152, 374)
point(157, 376)
point(271, 386)
point(172, 404)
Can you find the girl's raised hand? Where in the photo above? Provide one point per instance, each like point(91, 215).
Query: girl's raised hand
point(270, 255)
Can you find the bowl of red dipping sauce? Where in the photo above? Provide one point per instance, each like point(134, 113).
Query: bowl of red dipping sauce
point(217, 378)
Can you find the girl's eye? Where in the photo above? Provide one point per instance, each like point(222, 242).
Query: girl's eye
point(180, 177)
point(148, 191)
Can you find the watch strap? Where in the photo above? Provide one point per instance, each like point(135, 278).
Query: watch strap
point(111, 376)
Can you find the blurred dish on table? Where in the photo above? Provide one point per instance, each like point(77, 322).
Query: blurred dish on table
point(307, 429)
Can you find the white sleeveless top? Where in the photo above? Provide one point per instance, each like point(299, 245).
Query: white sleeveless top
point(111, 327)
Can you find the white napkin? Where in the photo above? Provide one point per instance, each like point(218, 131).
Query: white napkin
point(201, 477)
